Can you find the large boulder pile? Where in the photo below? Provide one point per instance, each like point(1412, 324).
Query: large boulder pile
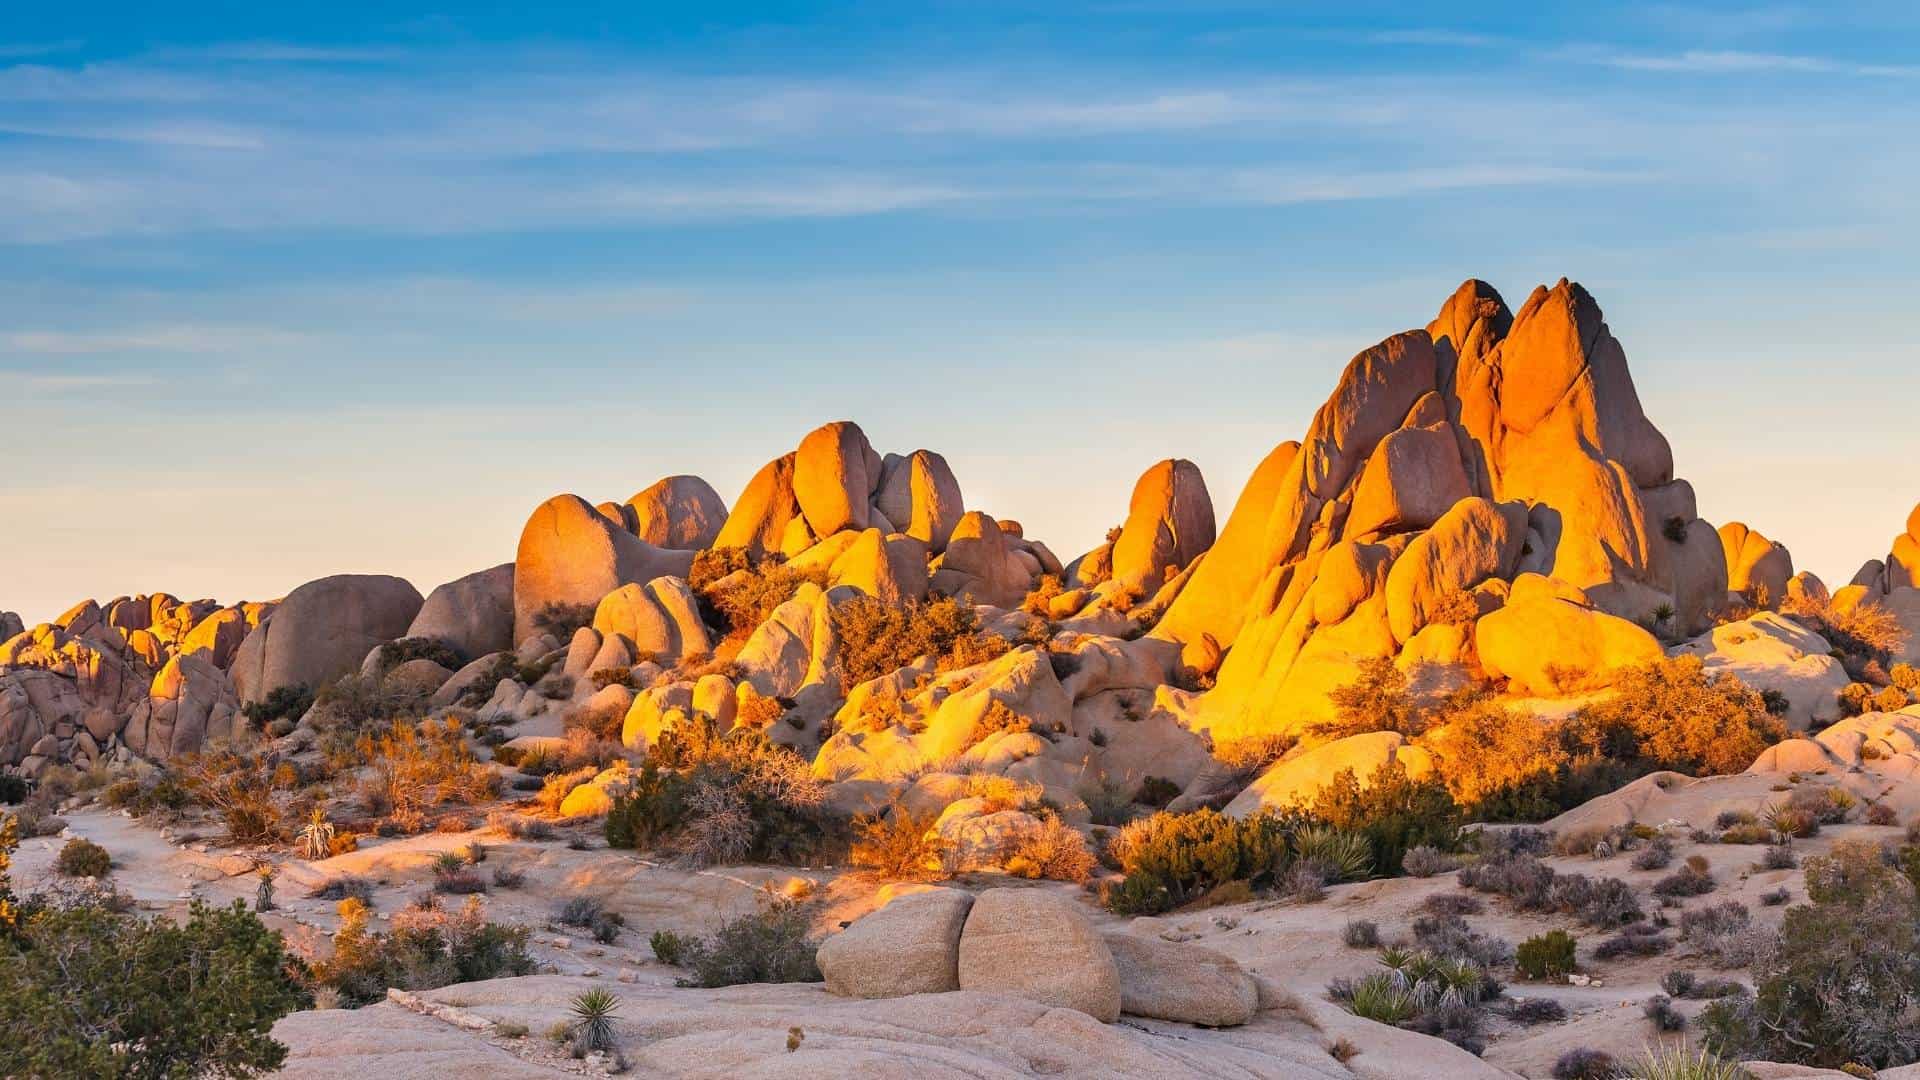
point(571, 556)
point(1451, 463)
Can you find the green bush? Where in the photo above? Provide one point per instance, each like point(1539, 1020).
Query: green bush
point(395, 653)
point(425, 948)
point(288, 702)
point(1379, 700)
point(1393, 812)
point(737, 797)
point(82, 857)
point(771, 945)
point(744, 602)
point(877, 638)
point(1546, 956)
point(668, 947)
point(85, 992)
point(1670, 714)
point(1172, 859)
point(1842, 984)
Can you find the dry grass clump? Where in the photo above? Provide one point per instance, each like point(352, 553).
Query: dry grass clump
point(1053, 850)
point(897, 844)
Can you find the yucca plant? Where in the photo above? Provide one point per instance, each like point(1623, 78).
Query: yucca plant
point(593, 1014)
point(263, 887)
point(1382, 997)
point(1675, 1063)
point(1347, 854)
point(316, 837)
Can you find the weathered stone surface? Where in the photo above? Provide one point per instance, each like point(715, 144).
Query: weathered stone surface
point(569, 555)
point(1548, 646)
point(979, 565)
point(1297, 780)
point(920, 497)
point(1185, 983)
point(1037, 945)
point(472, 615)
point(661, 619)
point(1169, 524)
point(1757, 568)
point(766, 512)
point(678, 512)
point(323, 630)
point(1412, 478)
point(909, 946)
point(835, 472)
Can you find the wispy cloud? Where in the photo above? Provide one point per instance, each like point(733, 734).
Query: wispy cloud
point(278, 52)
point(172, 339)
point(1736, 62)
point(58, 382)
point(1451, 39)
point(22, 50)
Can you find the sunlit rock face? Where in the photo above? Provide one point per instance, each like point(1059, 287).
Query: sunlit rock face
point(1448, 462)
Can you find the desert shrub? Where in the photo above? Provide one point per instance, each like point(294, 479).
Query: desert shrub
point(562, 620)
point(1055, 851)
point(1248, 757)
point(353, 704)
point(1531, 1011)
point(1670, 714)
point(877, 638)
point(897, 844)
point(737, 797)
point(1843, 981)
point(1656, 855)
point(1171, 859)
point(426, 947)
point(282, 702)
point(1863, 633)
point(343, 887)
point(1776, 897)
point(771, 945)
point(651, 806)
point(1747, 833)
point(1422, 861)
point(668, 947)
point(1660, 1012)
point(1392, 811)
point(1635, 939)
point(413, 767)
point(1722, 933)
point(1692, 879)
point(1042, 594)
point(81, 857)
point(1449, 937)
point(86, 992)
point(1107, 804)
point(1377, 700)
point(453, 875)
point(1855, 698)
point(1585, 1063)
point(1345, 855)
point(239, 789)
point(1452, 904)
point(1531, 885)
point(1883, 815)
point(1360, 934)
point(395, 653)
point(740, 603)
point(1379, 997)
point(1503, 764)
point(1546, 956)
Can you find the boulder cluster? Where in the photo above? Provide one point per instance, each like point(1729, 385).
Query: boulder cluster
point(1480, 500)
point(1033, 944)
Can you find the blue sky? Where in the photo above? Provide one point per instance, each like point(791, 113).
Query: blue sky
point(283, 295)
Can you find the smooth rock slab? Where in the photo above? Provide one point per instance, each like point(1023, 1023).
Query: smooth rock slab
point(910, 946)
point(1036, 945)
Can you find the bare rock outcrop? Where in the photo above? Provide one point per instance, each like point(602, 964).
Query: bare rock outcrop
point(678, 512)
point(472, 615)
point(323, 630)
point(570, 555)
point(1448, 462)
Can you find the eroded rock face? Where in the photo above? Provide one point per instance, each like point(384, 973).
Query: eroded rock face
point(472, 615)
point(323, 630)
point(1447, 462)
point(571, 555)
point(835, 473)
point(766, 513)
point(678, 512)
point(1757, 568)
point(1037, 945)
point(909, 946)
point(1184, 983)
point(1169, 524)
point(920, 497)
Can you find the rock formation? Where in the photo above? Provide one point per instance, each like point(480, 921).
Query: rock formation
point(1449, 462)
